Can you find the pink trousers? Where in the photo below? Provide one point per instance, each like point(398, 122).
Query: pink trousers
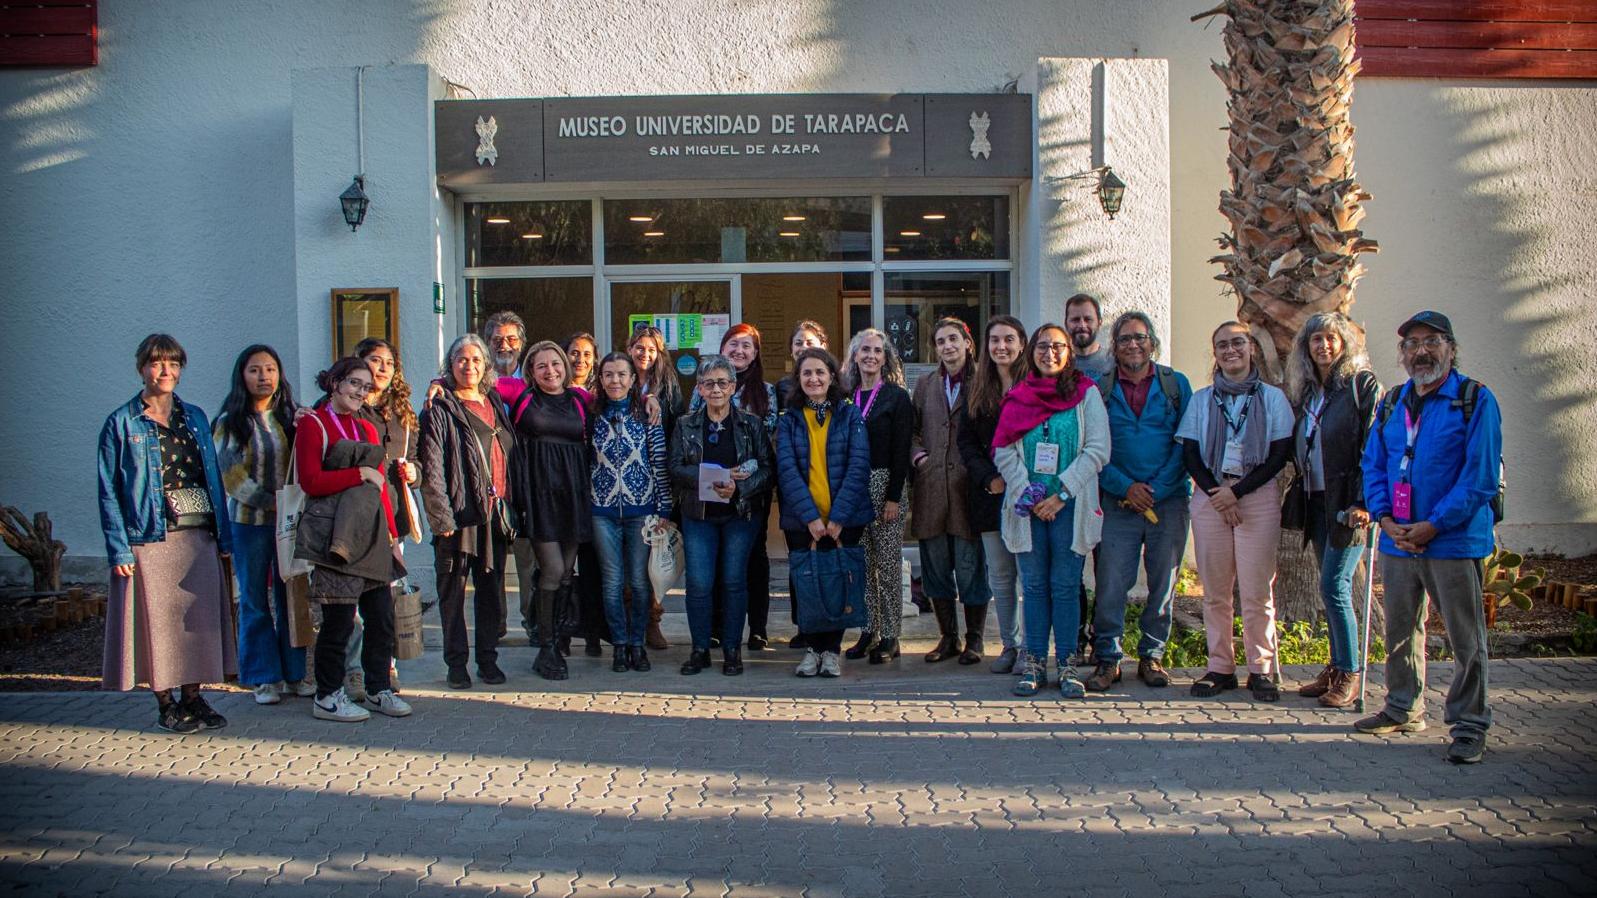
point(1243, 557)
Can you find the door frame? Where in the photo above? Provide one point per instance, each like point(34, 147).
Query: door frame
point(602, 287)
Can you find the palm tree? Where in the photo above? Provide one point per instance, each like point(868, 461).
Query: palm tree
point(1294, 205)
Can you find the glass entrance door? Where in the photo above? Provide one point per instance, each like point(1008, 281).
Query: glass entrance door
point(692, 314)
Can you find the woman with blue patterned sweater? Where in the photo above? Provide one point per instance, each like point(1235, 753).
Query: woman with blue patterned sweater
point(630, 482)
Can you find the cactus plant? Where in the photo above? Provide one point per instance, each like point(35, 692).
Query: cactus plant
point(1505, 582)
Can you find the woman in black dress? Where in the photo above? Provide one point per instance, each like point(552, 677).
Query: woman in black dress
point(551, 492)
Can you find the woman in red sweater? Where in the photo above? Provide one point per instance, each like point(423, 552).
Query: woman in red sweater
point(347, 384)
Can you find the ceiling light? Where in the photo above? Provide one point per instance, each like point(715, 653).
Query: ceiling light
point(787, 233)
point(793, 218)
point(654, 233)
point(892, 249)
point(532, 236)
point(497, 220)
point(909, 233)
point(641, 219)
point(934, 216)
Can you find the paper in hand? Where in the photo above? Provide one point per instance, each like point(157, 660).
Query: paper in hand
point(709, 476)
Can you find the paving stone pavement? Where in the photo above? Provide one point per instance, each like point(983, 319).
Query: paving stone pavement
point(904, 780)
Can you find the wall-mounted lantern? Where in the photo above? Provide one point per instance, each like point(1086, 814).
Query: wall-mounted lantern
point(354, 201)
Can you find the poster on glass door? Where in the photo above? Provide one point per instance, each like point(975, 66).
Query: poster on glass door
point(700, 333)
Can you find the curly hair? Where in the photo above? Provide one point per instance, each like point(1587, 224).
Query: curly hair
point(1301, 372)
point(394, 403)
point(892, 368)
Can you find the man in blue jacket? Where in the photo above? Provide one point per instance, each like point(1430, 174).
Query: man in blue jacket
point(1145, 494)
point(1431, 470)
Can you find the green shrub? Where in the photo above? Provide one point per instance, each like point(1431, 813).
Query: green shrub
point(1299, 643)
point(1584, 639)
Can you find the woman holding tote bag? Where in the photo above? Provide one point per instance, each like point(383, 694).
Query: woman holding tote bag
point(823, 465)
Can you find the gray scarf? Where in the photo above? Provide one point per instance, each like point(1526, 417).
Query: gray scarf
point(1255, 431)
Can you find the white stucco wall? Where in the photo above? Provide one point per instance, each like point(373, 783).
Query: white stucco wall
point(1093, 112)
point(158, 191)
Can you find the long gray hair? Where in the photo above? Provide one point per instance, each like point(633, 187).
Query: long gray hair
point(1301, 373)
point(489, 375)
point(892, 368)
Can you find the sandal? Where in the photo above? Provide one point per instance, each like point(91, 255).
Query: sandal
point(1264, 687)
point(1212, 684)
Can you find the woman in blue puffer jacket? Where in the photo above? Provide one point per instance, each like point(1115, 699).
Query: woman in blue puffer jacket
point(823, 462)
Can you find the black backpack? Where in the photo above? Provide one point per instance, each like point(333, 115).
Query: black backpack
point(1468, 391)
point(1167, 385)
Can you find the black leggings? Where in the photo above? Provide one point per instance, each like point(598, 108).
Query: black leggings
point(377, 647)
point(556, 563)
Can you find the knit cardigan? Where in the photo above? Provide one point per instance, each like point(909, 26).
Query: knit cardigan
point(629, 473)
point(1080, 480)
point(253, 474)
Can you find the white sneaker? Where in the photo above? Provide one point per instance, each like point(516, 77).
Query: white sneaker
point(386, 702)
point(831, 665)
point(811, 665)
point(355, 685)
point(305, 688)
point(338, 707)
point(266, 694)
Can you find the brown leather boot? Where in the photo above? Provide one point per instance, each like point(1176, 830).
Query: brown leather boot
point(1344, 690)
point(654, 638)
point(1320, 683)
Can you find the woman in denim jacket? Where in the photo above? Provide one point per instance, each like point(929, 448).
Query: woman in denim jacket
point(169, 618)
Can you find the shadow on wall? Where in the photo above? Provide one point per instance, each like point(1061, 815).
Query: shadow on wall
point(1540, 367)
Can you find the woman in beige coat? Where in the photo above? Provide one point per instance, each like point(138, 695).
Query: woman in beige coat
point(952, 564)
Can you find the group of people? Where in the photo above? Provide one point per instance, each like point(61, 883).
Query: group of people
point(1020, 458)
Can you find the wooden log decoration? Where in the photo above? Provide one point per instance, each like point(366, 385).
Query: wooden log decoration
point(34, 541)
point(1294, 204)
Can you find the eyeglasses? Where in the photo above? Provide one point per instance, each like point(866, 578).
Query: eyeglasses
point(507, 341)
point(362, 388)
point(1433, 343)
point(1233, 343)
point(1053, 348)
point(716, 385)
point(1128, 339)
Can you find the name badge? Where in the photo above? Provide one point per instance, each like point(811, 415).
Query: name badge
point(1046, 460)
point(1402, 500)
point(1231, 465)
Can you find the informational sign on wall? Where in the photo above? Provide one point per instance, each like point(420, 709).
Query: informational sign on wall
point(748, 136)
point(699, 333)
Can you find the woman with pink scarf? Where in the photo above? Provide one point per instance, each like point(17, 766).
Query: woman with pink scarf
point(1051, 442)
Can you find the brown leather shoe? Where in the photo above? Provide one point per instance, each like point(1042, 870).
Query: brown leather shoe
point(1344, 690)
point(1103, 677)
point(653, 638)
point(1319, 685)
point(1150, 671)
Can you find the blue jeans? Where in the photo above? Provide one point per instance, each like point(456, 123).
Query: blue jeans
point(623, 563)
point(264, 652)
point(1051, 575)
point(1336, 587)
point(1127, 538)
point(718, 546)
point(1001, 583)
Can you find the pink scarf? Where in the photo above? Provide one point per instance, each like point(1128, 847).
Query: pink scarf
point(1031, 402)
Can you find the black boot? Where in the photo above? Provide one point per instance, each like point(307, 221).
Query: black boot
point(975, 622)
point(619, 662)
point(548, 664)
point(640, 658)
point(948, 645)
point(858, 649)
point(732, 661)
point(884, 651)
point(697, 661)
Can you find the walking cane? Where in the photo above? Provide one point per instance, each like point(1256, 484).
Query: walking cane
point(1369, 598)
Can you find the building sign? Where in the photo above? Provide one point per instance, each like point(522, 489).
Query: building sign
point(746, 137)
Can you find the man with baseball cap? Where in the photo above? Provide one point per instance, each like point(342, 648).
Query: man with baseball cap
point(1431, 472)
